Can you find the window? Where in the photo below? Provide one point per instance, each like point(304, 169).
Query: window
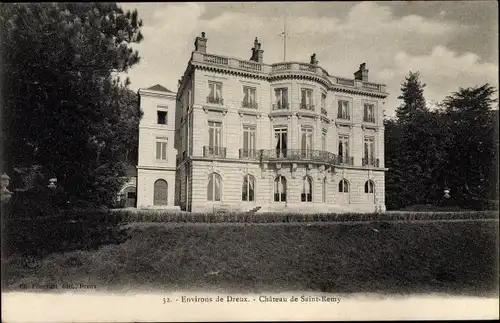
point(214, 189)
point(280, 189)
point(369, 152)
point(160, 192)
point(280, 137)
point(215, 93)
point(306, 141)
point(249, 97)
point(323, 196)
point(306, 195)
point(343, 186)
point(343, 151)
point(214, 134)
point(248, 190)
point(281, 98)
point(306, 99)
point(323, 140)
point(323, 100)
point(161, 148)
point(249, 148)
point(343, 112)
point(369, 113)
point(162, 117)
point(369, 186)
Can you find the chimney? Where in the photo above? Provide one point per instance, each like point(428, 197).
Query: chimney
point(257, 53)
point(200, 44)
point(362, 73)
point(313, 59)
point(260, 54)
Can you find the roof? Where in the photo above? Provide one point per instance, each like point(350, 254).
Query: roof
point(160, 88)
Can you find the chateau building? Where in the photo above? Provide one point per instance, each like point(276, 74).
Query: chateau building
point(251, 136)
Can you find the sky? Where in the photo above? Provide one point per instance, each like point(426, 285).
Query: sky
point(452, 44)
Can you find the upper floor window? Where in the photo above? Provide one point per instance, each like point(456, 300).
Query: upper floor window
point(369, 113)
point(161, 148)
point(249, 140)
point(214, 134)
point(343, 110)
point(369, 152)
point(323, 140)
point(249, 97)
point(281, 98)
point(306, 101)
point(215, 93)
point(306, 141)
point(323, 100)
point(161, 117)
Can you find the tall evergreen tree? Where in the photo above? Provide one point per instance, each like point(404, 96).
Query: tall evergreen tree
point(473, 155)
point(59, 64)
point(412, 94)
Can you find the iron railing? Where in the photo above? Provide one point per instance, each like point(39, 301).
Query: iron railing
point(305, 106)
point(209, 151)
point(215, 100)
point(249, 105)
point(299, 154)
point(281, 106)
point(345, 160)
point(370, 161)
point(250, 154)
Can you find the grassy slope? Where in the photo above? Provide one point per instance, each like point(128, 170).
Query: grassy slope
point(457, 257)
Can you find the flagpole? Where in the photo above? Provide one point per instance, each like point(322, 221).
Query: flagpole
point(284, 38)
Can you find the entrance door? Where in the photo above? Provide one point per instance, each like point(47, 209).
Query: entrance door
point(160, 192)
point(370, 192)
point(344, 191)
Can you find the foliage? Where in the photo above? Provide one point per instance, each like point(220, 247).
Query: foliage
point(64, 106)
point(453, 147)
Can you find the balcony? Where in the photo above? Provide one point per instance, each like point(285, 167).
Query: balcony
point(345, 160)
point(298, 154)
point(249, 105)
point(281, 106)
point(323, 111)
point(215, 100)
point(370, 162)
point(305, 106)
point(250, 154)
point(214, 152)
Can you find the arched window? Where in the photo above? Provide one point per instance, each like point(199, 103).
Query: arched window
point(248, 189)
point(214, 189)
point(160, 192)
point(369, 186)
point(306, 195)
point(323, 196)
point(343, 186)
point(280, 189)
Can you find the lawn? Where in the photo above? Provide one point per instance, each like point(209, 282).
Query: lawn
point(384, 257)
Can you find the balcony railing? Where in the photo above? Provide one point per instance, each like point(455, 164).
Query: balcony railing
point(345, 160)
point(323, 111)
point(371, 162)
point(280, 106)
point(299, 154)
point(369, 119)
point(215, 100)
point(343, 81)
point(250, 154)
point(305, 106)
point(371, 86)
point(250, 65)
point(217, 152)
point(249, 105)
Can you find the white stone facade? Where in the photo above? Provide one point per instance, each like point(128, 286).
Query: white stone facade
point(242, 144)
point(157, 156)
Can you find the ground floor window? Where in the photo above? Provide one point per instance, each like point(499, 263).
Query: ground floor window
point(369, 186)
point(160, 192)
point(248, 189)
point(306, 195)
point(214, 189)
point(280, 189)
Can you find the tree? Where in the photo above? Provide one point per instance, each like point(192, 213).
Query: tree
point(473, 156)
point(412, 94)
point(61, 106)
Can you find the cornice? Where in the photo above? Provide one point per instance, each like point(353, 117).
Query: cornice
point(381, 95)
